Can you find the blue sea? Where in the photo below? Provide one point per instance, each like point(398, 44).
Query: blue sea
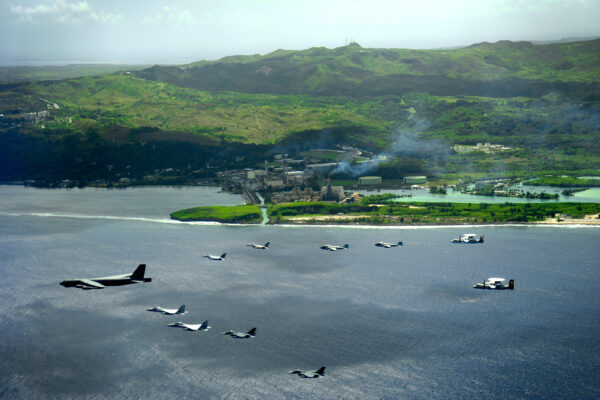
point(399, 323)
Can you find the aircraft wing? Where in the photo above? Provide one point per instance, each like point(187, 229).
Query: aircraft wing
point(91, 284)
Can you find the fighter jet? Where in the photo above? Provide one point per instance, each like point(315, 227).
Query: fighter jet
point(241, 335)
point(216, 258)
point(192, 327)
point(117, 280)
point(332, 247)
point(169, 311)
point(387, 245)
point(259, 246)
point(309, 374)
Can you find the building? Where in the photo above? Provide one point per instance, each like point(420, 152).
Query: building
point(369, 180)
point(332, 193)
point(414, 180)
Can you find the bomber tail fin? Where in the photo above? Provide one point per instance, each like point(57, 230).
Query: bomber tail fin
point(321, 371)
point(223, 255)
point(252, 332)
point(181, 310)
point(138, 274)
point(267, 244)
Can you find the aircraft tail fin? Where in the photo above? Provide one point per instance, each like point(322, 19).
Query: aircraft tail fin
point(138, 274)
point(346, 246)
point(399, 243)
point(321, 371)
point(181, 310)
point(223, 255)
point(204, 325)
point(511, 284)
point(252, 331)
point(481, 239)
point(267, 244)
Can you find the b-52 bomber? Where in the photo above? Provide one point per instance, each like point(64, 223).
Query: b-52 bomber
point(116, 280)
point(386, 245)
point(259, 246)
point(309, 374)
point(241, 335)
point(332, 247)
point(192, 327)
point(216, 258)
point(169, 311)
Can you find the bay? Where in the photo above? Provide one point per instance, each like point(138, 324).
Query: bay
point(387, 323)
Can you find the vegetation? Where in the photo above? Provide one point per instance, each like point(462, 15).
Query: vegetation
point(412, 106)
point(248, 214)
point(562, 181)
point(503, 69)
point(427, 213)
point(40, 73)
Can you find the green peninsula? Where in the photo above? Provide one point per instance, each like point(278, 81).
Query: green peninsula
point(388, 212)
point(247, 214)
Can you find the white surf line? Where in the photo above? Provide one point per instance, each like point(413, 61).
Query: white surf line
point(108, 217)
point(208, 223)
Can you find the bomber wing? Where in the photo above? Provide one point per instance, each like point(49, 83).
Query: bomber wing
point(91, 284)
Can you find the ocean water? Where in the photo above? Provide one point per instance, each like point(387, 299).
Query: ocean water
point(400, 323)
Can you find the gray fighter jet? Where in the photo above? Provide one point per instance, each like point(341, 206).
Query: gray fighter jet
point(259, 246)
point(216, 258)
point(169, 311)
point(241, 335)
point(309, 374)
point(192, 327)
point(117, 280)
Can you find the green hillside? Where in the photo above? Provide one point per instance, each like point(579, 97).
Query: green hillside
point(414, 106)
point(502, 69)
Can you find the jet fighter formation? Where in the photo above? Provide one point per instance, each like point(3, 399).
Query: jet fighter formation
point(138, 276)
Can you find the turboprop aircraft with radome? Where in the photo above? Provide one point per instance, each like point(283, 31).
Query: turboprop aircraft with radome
point(259, 246)
point(309, 374)
point(241, 335)
point(216, 258)
point(116, 280)
point(169, 311)
point(192, 327)
point(332, 247)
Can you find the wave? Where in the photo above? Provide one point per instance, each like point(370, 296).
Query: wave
point(339, 226)
point(108, 217)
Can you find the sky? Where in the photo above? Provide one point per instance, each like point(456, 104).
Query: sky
point(180, 31)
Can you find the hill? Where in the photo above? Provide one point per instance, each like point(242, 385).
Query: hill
point(412, 105)
point(502, 69)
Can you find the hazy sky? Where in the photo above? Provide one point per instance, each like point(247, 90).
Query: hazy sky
point(177, 31)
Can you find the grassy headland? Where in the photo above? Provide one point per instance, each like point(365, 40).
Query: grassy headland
point(247, 214)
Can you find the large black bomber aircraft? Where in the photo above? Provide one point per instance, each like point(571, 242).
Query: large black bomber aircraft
point(116, 280)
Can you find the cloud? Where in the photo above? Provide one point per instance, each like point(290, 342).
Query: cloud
point(106, 18)
point(171, 15)
point(62, 11)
